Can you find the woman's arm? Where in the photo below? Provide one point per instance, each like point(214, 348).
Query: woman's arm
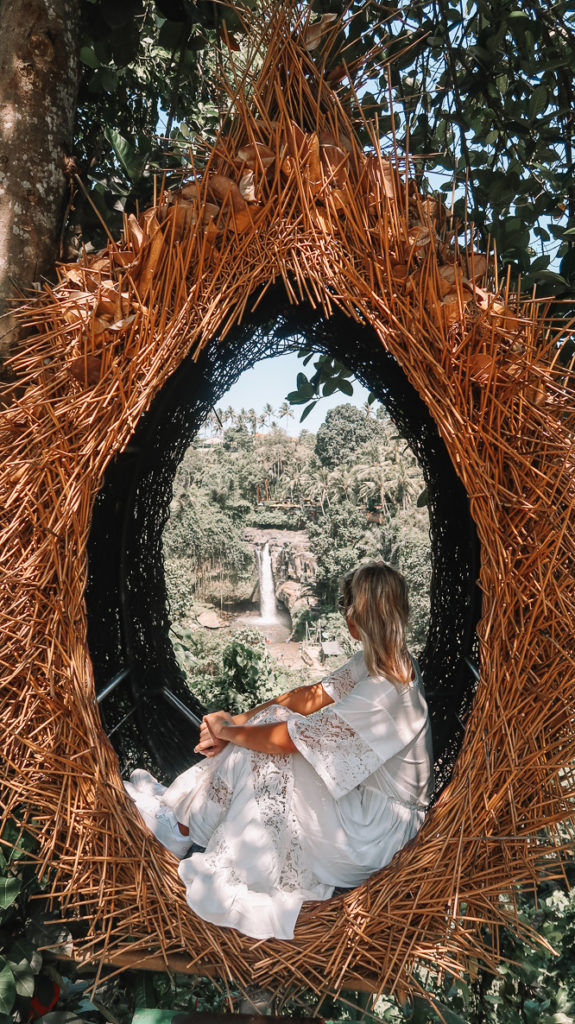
point(304, 699)
point(267, 739)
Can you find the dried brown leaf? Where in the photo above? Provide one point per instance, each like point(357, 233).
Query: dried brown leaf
point(297, 141)
point(111, 302)
point(329, 139)
point(123, 259)
point(152, 257)
point(432, 208)
point(476, 265)
point(313, 159)
point(333, 161)
point(86, 369)
point(190, 190)
point(336, 74)
point(226, 191)
point(102, 264)
point(183, 217)
point(256, 156)
point(74, 274)
point(247, 187)
point(380, 176)
point(242, 221)
point(229, 39)
point(419, 236)
point(135, 233)
point(312, 34)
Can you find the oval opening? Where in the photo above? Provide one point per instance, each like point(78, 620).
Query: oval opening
point(147, 709)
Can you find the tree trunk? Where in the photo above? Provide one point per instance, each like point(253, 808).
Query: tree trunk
point(38, 87)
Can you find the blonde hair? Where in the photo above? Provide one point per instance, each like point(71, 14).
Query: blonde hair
point(375, 598)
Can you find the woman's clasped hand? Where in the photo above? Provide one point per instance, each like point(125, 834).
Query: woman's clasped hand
point(313, 790)
point(210, 742)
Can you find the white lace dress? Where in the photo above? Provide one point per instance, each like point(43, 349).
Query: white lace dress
point(282, 829)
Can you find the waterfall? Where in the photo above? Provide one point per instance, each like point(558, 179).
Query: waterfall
point(267, 591)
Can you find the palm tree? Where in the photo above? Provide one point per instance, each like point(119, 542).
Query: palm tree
point(316, 484)
point(285, 412)
point(229, 415)
point(344, 479)
point(268, 414)
point(378, 474)
point(242, 419)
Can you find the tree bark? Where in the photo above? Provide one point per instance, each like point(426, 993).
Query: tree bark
point(38, 89)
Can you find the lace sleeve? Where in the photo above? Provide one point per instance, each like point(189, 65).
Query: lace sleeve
point(341, 682)
point(338, 753)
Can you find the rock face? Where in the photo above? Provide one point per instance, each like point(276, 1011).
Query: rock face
point(210, 620)
point(294, 566)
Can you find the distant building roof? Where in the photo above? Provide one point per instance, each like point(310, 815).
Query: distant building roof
point(208, 442)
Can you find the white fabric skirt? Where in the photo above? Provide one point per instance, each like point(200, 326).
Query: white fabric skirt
point(274, 837)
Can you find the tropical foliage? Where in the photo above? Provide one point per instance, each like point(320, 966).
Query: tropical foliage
point(354, 488)
point(481, 95)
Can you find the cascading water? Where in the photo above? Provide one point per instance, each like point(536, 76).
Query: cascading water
point(268, 612)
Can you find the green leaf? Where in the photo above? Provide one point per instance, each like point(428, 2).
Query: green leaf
point(345, 385)
point(7, 987)
point(124, 44)
point(116, 14)
point(539, 264)
point(306, 412)
point(144, 992)
point(88, 57)
point(24, 978)
point(303, 383)
point(9, 890)
point(538, 101)
point(172, 35)
point(549, 275)
point(295, 398)
point(131, 161)
point(109, 79)
point(102, 50)
point(22, 842)
point(53, 937)
point(155, 1016)
point(22, 949)
point(423, 499)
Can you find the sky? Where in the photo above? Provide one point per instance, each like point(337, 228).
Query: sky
point(270, 381)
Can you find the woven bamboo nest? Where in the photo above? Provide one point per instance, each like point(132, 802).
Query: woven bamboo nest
point(287, 193)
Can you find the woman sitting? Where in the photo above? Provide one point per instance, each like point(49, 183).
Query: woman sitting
point(317, 788)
